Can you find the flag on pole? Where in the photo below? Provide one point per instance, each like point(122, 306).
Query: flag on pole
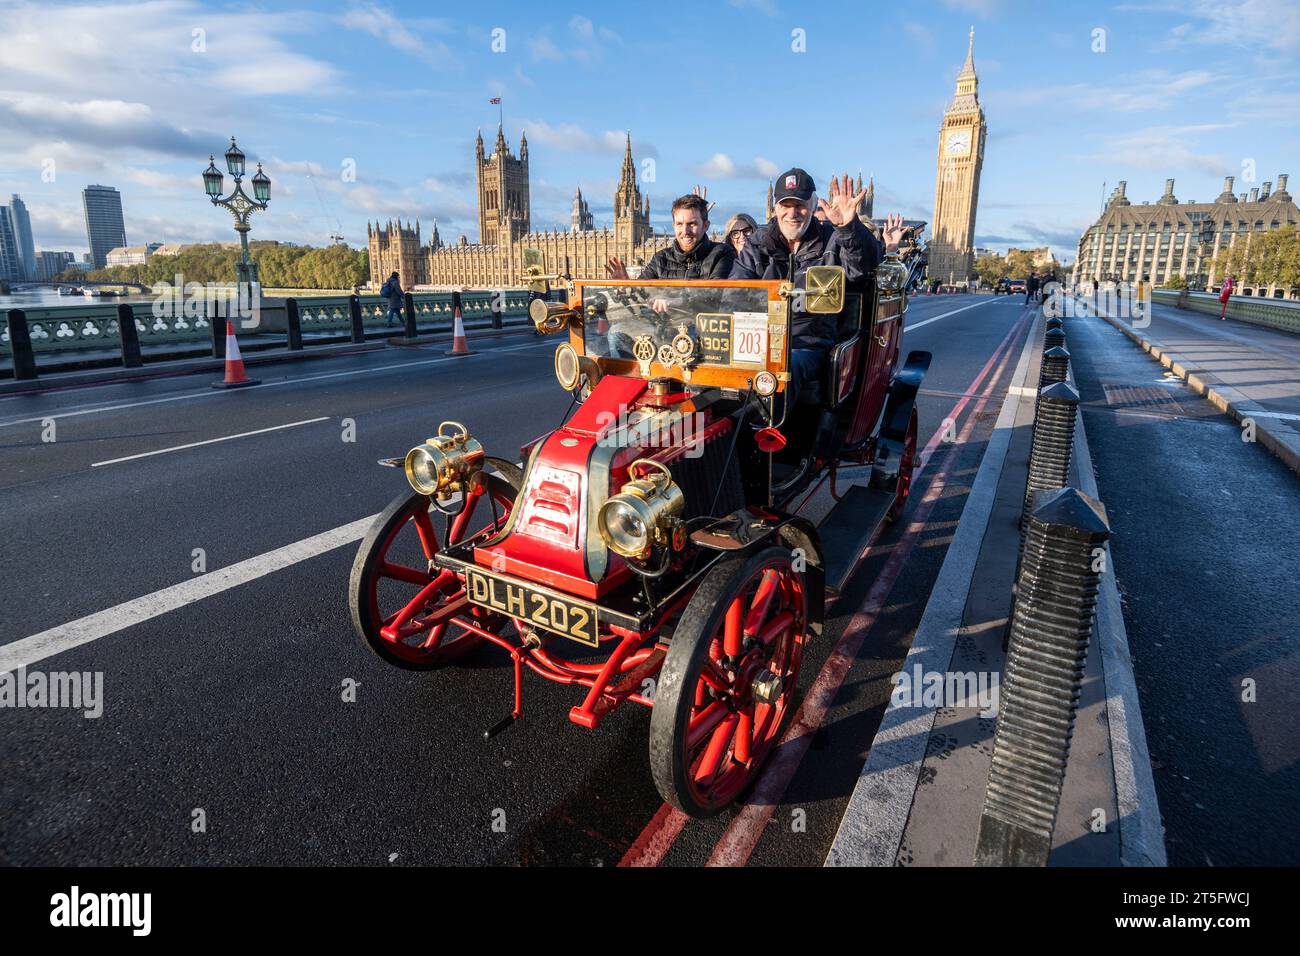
point(495, 101)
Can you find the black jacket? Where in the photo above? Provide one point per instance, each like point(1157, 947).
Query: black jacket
point(767, 256)
point(707, 260)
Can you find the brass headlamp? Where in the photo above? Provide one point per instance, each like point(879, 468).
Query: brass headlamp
point(443, 463)
point(644, 513)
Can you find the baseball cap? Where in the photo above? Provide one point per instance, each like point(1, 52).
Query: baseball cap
point(794, 184)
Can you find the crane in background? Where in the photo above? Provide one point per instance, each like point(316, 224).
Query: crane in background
point(336, 236)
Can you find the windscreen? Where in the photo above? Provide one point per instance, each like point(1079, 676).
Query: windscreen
point(724, 326)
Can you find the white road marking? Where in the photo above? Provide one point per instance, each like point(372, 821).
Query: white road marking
point(210, 441)
point(31, 650)
point(917, 325)
point(211, 393)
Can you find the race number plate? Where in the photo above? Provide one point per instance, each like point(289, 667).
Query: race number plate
point(749, 338)
point(560, 614)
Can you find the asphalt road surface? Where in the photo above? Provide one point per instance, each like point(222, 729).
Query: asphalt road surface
point(224, 701)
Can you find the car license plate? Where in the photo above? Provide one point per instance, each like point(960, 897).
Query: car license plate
point(575, 620)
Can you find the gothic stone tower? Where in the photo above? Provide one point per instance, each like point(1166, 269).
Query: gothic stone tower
point(957, 185)
point(396, 248)
point(582, 220)
point(631, 214)
point(504, 212)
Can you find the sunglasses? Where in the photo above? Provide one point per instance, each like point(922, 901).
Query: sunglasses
point(747, 230)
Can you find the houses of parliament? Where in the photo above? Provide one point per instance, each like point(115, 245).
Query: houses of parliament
point(505, 231)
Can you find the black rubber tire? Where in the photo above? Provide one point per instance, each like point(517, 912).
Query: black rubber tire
point(675, 687)
point(364, 620)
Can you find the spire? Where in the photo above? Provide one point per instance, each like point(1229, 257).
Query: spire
point(501, 147)
point(967, 82)
point(968, 68)
point(771, 209)
point(523, 145)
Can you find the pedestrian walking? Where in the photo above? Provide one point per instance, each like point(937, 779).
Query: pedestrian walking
point(392, 291)
point(1224, 296)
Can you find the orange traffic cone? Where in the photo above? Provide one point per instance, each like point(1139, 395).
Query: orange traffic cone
point(236, 377)
point(458, 344)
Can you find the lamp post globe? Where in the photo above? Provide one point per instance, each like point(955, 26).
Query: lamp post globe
point(212, 178)
point(235, 160)
point(261, 185)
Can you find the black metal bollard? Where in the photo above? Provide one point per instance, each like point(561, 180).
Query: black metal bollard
point(293, 321)
point(218, 330)
point(20, 343)
point(354, 313)
point(408, 310)
point(1054, 338)
point(1039, 695)
point(1055, 322)
point(126, 329)
point(1056, 366)
point(1053, 441)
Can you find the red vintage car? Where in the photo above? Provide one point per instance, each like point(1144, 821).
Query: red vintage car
point(646, 549)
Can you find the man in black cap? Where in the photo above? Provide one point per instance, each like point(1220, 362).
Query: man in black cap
point(796, 239)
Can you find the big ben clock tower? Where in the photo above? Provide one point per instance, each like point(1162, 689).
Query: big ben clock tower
point(957, 185)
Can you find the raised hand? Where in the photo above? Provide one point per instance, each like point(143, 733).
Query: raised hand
point(703, 193)
point(615, 269)
point(842, 206)
point(893, 231)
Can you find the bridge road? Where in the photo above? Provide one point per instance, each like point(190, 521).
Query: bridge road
point(232, 704)
point(1205, 554)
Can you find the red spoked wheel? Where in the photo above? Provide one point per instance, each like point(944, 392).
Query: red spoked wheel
point(728, 679)
point(906, 465)
point(402, 605)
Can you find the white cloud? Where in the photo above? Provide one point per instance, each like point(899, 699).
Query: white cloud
point(543, 49)
point(572, 137)
point(1165, 149)
point(722, 166)
point(920, 33)
point(1249, 24)
point(382, 23)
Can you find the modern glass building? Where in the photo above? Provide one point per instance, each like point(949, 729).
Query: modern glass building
point(104, 227)
point(20, 225)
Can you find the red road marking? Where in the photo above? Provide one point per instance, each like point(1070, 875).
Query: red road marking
point(746, 828)
point(666, 825)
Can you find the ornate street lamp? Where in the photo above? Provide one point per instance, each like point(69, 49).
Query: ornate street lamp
point(239, 204)
point(1206, 241)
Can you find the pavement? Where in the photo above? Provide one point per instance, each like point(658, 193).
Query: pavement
point(193, 546)
point(1249, 372)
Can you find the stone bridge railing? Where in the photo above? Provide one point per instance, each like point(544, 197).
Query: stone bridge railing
point(94, 327)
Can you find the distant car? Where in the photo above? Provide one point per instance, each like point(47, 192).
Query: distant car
point(1016, 286)
point(1002, 286)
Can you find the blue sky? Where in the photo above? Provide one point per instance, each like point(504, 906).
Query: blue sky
point(137, 95)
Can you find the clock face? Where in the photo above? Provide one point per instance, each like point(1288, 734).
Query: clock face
point(958, 142)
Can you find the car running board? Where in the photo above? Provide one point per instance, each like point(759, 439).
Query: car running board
point(846, 530)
